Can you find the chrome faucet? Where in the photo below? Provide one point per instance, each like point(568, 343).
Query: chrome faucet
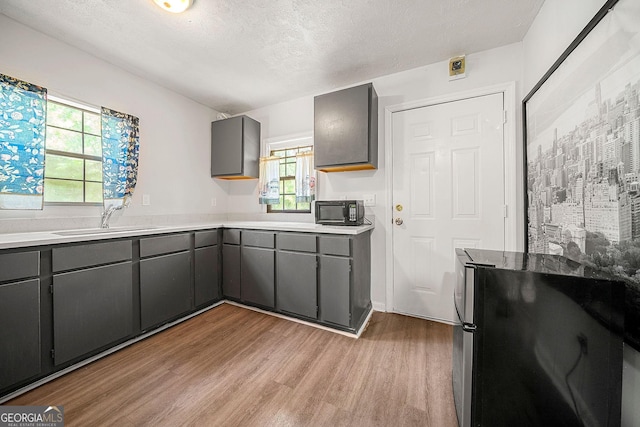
point(106, 214)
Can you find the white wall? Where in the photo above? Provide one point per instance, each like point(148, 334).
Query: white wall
point(556, 26)
point(174, 131)
point(484, 69)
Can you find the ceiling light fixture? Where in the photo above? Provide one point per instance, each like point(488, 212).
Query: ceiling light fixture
point(174, 6)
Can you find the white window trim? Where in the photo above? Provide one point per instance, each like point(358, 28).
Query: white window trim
point(284, 142)
point(73, 103)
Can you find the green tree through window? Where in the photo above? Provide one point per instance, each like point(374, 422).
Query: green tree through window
point(73, 155)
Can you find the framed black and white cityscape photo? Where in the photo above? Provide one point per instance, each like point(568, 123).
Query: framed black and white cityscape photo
point(582, 147)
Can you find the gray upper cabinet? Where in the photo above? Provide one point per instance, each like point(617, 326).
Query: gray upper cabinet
point(235, 148)
point(346, 130)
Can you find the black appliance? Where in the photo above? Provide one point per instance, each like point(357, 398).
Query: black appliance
point(538, 341)
point(340, 212)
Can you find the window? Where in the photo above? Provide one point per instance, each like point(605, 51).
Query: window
point(73, 154)
point(288, 201)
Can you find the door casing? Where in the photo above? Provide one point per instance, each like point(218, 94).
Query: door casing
point(511, 180)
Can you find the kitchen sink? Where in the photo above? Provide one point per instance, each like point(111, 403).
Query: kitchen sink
point(113, 230)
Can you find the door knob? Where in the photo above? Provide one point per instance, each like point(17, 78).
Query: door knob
point(399, 221)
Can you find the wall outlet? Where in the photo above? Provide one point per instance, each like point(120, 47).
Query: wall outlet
point(146, 200)
point(369, 199)
point(214, 201)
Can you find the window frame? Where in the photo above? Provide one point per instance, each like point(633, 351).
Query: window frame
point(84, 108)
point(286, 143)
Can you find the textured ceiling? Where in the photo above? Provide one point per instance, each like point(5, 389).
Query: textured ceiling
point(236, 56)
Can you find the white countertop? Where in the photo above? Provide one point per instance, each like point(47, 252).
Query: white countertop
point(41, 238)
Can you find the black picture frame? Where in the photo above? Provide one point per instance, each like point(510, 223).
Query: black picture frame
point(563, 160)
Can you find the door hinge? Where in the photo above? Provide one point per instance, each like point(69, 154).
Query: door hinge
point(53, 353)
point(504, 116)
point(505, 211)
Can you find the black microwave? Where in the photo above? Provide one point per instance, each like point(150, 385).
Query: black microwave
point(340, 212)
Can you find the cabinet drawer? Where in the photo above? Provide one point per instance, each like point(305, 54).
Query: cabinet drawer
point(71, 257)
point(19, 265)
point(164, 244)
point(258, 239)
point(231, 237)
point(331, 245)
point(206, 238)
point(297, 242)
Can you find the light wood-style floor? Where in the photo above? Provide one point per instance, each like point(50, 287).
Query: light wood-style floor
point(235, 367)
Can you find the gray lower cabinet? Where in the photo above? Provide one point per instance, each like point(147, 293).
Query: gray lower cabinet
point(206, 267)
point(19, 317)
point(165, 278)
point(297, 284)
point(231, 271)
point(334, 289)
point(344, 279)
point(92, 289)
point(258, 276)
point(92, 308)
point(165, 288)
point(231, 263)
point(207, 286)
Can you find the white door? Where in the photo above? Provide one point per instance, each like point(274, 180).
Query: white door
point(448, 192)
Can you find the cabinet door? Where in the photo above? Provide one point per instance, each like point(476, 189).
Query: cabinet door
point(207, 288)
point(297, 284)
point(334, 290)
point(91, 309)
point(345, 128)
point(231, 271)
point(258, 271)
point(19, 331)
point(165, 288)
point(235, 147)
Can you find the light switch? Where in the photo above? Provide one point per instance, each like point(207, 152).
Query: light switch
point(369, 199)
point(146, 200)
point(214, 201)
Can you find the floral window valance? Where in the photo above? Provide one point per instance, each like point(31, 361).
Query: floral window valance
point(120, 150)
point(23, 109)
